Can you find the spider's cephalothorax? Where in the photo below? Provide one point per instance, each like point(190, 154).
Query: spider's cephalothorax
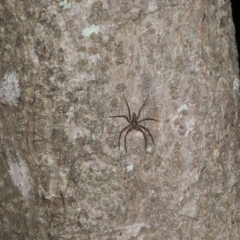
point(134, 124)
point(134, 120)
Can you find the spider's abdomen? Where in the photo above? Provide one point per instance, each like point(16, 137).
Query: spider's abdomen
point(134, 124)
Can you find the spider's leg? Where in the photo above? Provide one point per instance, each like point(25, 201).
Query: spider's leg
point(139, 129)
point(141, 126)
point(129, 112)
point(125, 138)
point(124, 116)
point(142, 107)
point(121, 135)
point(153, 119)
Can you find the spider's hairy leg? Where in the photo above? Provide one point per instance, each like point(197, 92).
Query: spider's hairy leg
point(141, 126)
point(129, 112)
point(125, 138)
point(121, 134)
point(118, 116)
point(142, 107)
point(139, 129)
point(145, 119)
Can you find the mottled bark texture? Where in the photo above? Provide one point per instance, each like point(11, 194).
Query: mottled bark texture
point(65, 66)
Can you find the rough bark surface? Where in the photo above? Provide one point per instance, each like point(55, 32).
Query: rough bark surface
point(65, 66)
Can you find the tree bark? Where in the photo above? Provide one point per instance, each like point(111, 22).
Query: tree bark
point(65, 66)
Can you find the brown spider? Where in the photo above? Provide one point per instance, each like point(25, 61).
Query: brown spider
point(134, 124)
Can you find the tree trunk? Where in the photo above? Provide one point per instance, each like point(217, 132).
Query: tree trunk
point(65, 66)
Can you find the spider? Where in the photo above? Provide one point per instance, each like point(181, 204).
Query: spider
point(134, 124)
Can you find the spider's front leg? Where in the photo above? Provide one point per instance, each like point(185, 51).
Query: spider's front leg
point(146, 119)
point(118, 116)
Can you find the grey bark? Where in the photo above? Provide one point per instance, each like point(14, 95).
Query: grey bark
point(65, 66)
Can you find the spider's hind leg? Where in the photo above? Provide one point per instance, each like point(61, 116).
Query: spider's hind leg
point(125, 138)
point(141, 126)
point(145, 138)
point(121, 135)
point(142, 107)
point(129, 111)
